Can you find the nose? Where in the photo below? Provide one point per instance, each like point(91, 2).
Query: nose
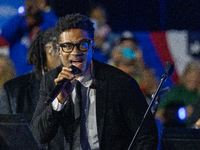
point(75, 50)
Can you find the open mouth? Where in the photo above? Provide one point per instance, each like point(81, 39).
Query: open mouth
point(77, 63)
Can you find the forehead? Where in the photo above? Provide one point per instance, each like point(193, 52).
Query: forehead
point(73, 35)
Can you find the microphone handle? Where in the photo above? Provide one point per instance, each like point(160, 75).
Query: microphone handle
point(59, 87)
point(56, 90)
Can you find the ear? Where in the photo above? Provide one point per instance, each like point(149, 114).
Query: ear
point(49, 49)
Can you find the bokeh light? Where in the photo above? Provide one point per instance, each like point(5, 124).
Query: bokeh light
point(21, 9)
point(182, 113)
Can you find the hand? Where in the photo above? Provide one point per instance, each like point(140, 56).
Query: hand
point(67, 74)
point(198, 123)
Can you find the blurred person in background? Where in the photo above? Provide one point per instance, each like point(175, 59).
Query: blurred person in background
point(7, 70)
point(128, 57)
point(20, 30)
point(194, 121)
point(20, 95)
point(184, 94)
point(105, 39)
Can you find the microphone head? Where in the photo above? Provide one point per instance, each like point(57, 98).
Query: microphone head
point(75, 70)
point(171, 70)
point(167, 65)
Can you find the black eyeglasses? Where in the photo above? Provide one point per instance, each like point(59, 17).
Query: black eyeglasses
point(83, 46)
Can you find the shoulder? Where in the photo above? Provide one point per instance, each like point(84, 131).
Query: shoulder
point(54, 72)
point(109, 69)
point(19, 80)
point(48, 78)
point(20, 83)
point(111, 73)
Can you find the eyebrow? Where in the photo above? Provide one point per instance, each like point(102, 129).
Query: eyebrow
point(77, 42)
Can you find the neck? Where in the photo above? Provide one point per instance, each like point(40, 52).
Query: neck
point(90, 68)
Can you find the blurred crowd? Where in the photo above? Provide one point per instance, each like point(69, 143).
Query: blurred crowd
point(121, 50)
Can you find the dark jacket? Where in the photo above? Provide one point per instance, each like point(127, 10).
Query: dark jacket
point(20, 96)
point(120, 106)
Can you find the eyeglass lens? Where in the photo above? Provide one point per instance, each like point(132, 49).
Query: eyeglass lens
point(68, 47)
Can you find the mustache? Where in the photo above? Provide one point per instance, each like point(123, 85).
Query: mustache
point(77, 57)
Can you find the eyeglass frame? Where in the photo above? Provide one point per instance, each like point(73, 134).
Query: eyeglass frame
point(77, 45)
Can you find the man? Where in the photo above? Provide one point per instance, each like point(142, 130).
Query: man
point(16, 93)
point(20, 95)
point(115, 104)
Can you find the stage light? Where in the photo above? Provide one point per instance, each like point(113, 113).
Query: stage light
point(21, 9)
point(182, 114)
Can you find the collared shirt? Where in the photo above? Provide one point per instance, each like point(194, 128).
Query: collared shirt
point(90, 95)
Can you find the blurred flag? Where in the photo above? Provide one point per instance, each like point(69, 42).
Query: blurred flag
point(178, 46)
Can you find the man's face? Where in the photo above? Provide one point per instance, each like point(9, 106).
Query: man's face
point(78, 58)
point(52, 57)
point(192, 79)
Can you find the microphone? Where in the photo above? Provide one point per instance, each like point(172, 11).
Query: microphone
point(169, 68)
point(59, 87)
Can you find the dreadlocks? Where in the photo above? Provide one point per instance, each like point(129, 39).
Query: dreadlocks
point(37, 53)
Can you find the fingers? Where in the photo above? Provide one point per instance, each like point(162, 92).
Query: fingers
point(65, 73)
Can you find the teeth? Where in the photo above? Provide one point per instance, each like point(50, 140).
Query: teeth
point(77, 60)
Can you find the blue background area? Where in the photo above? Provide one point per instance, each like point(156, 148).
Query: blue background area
point(137, 15)
point(14, 4)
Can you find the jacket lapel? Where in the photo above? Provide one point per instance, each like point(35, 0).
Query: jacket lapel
point(101, 97)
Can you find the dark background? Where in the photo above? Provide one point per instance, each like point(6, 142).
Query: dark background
point(140, 15)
